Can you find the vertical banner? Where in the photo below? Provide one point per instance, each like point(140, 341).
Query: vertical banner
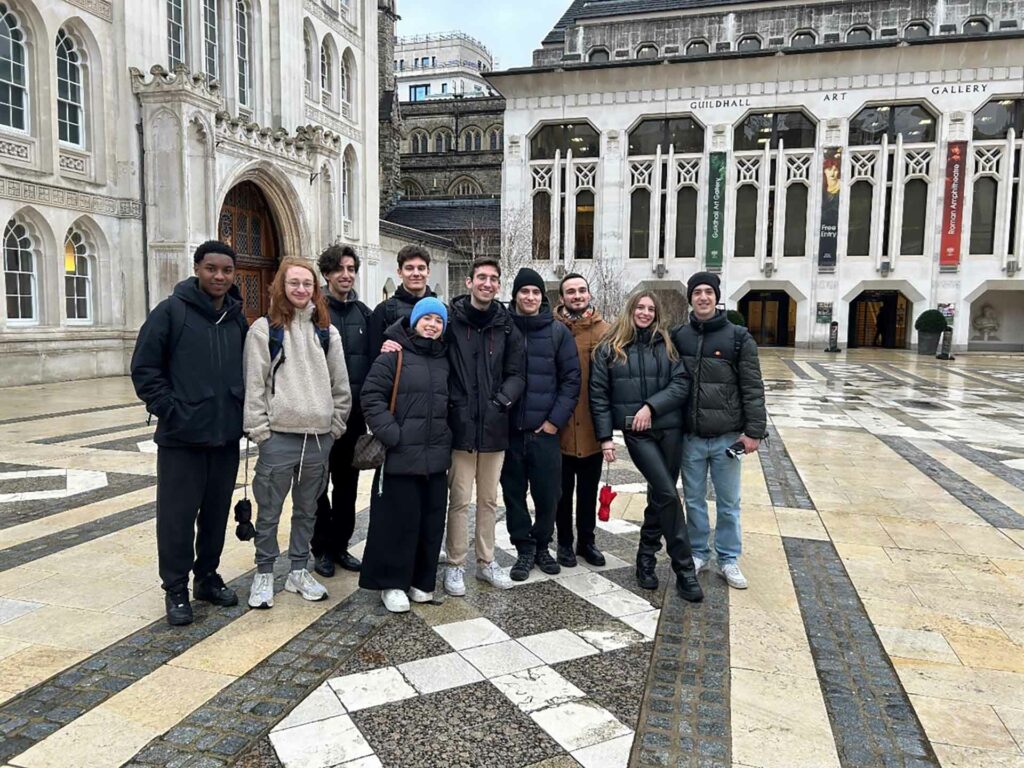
point(831, 185)
point(716, 210)
point(952, 207)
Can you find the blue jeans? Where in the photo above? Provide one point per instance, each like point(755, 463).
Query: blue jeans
point(699, 453)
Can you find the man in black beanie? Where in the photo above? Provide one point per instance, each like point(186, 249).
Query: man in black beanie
point(726, 407)
point(187, 368)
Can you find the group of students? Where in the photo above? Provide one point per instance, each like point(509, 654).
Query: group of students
point(470, 396)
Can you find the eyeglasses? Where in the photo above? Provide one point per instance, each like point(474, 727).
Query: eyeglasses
point(299, 284)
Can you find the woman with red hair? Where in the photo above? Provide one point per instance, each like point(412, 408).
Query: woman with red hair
point(297, 399)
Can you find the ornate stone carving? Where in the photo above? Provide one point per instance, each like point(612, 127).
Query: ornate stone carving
point(15, 150)
point(46, 194)
point(179, 85)
point(100, 8)
point(339, 22)
point(986, 323)
point(74, 163)
point(336, 125)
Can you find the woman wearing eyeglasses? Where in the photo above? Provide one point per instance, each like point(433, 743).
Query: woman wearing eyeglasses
point(297, 399)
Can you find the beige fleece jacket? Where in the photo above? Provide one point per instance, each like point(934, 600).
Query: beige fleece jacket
point(311, 391)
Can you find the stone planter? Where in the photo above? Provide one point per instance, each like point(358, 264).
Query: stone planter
point(927, 343)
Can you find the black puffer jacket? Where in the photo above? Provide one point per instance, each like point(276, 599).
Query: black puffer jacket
point(397, 306)
point(486, 355)
point(352, 318)
point(417, 436)
point(552, 371)
point(187, 368)
point(647, 377)
point(728, 393)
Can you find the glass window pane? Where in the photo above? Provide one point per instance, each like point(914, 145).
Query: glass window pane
point(69, 307)
point(697, 48)
point(26, 308)
point(541, 225)
point(579, 137)
point(795, 237)
point(795, 130)
point(686, 223)
point(915, 31)
point(746, 220)
point(994, 119)
point(915, 200)
point(584, 225)
point(599, 56)
point(983, 216)
point(753, 133)
point(868, 126)
point(639, 223)
point(914, 123)
point(861, 200)
point(12, 308)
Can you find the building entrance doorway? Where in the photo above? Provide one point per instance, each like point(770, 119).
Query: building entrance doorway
point(771, 317)
point(879, 319)
point(246, 224)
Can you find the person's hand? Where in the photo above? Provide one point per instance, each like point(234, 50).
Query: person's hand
point(608, 449)
point(547, 427)
point(642, 419)
point(749, 444)
point(390, 346)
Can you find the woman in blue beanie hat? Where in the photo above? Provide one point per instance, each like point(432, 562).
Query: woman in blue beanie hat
point(410, 491)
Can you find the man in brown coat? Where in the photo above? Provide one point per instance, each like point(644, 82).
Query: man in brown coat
point(581, 452)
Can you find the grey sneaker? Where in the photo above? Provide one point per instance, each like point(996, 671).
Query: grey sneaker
point(454, 580)
point(261, 594)
point(494, 575)
point(732, 574)
point(419, 596)
point(303, 583)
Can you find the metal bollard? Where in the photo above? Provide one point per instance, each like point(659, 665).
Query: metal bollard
point(945, 349)
point(833, 337)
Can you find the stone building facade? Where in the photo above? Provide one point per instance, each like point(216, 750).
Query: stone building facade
point(440, 66)
point(849, 161)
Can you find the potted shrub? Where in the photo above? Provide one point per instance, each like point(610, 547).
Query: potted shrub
point(930, 326)
point(736, 318)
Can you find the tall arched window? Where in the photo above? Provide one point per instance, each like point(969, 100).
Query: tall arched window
point(418, 142)
point(983, 215)
point(541, 225)
point(78, 274)
point(326, 74)
point(307, 43)
point(20, 278)
point(862, 197)
point(472, 140)
point(176, 50)
point(243, 52)
point(494, 139)
point(746, 221)
point(348, 189)
point(13, 75)
point(70, 103)
point(347, 83)
point(211, 38)
point(444, 141)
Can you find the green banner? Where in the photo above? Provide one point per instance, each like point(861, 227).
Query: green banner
point(716, 211)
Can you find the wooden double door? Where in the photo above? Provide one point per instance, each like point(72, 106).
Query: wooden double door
point(247, 225)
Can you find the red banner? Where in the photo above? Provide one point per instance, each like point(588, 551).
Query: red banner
point(953, 206)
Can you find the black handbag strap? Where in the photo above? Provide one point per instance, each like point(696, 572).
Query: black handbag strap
point(394, 387)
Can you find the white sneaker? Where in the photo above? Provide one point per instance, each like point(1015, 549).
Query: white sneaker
point(442, 558)
point(699, 565)
point(494, 575)
point(732, 574)
point(454, 580)
point(394, 600)
point(419, 596)
point(304, 584)
point(261, 594)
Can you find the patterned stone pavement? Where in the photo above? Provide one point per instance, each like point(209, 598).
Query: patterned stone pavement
point(884, 625)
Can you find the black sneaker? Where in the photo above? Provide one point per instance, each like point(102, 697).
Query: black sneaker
point(348, 562)
point(688, 587)
point(324, 566)
point(566, 556)
point(179, 610)
point(546, 562)
point(645, 575)
point(591, 554)
point(521, 570)
point(211, 589)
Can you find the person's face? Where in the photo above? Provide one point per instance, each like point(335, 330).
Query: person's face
point(704, 302)
point(832, 177)
point(430, 326)
point(576, 294)
point(644, 313)
point(528, 300)
point(216, 273)
point(414, 274)
point(484, 284)
point(343, 278)
point(298, 286)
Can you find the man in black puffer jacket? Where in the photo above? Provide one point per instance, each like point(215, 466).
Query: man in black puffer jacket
point(534, 455)
point(726, 406)
point(414, 272)
point(336, 511)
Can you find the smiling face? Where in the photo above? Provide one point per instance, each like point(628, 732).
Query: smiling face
point(430, 326)
point(576, 294)
point(298, 286)
point(343, 278)
point(216, 274)
point(644, 313)
point(528, 300)
point(484, 285)
point(704, 302)
point(414, 274)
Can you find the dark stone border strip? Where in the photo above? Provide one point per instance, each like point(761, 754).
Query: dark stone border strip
point(27, 551)
point(78, 412)
point(795, 368)
point(920, 381)
point(91, 433)
point(967, 493)
point(785, 487)
point(872, 719)
point(989, 463)
point(831, 376)
point(685, 716)
point(986, 380)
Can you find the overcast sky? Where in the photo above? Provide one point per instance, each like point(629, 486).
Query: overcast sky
point(511, 29)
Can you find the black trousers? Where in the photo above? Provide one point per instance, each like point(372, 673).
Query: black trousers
point(406, 528)
point(532, 460)
point(658, 454)
point(336, 507)
point(193, 499)
point(582, 476)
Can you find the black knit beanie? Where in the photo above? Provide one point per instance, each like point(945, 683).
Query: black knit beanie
point(527, 276)
point(704, 278)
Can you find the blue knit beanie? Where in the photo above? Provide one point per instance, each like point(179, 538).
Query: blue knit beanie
point(428, 305)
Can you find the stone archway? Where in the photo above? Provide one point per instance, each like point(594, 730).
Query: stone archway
point(247, 225)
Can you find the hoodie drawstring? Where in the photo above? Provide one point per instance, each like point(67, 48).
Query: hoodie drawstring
point(302, 453)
